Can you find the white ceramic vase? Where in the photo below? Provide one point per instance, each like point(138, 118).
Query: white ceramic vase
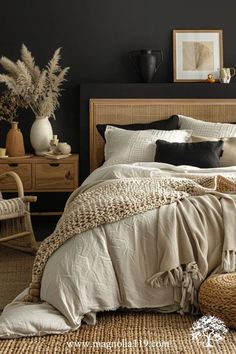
point(40, 135)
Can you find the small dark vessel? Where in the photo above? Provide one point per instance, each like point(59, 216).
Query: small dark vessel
point(146, 62)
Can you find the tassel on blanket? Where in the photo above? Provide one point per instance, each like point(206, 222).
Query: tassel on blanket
point(192, 279)
point(229, 261)
point(33, 293)
point(188, 279)
point(172, 277)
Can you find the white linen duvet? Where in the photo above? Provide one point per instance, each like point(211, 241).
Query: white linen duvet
point(107, 268)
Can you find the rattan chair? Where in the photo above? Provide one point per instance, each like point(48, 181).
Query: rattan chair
point(15, 222)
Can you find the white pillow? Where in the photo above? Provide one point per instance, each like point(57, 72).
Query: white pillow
point(201, 128)
point(126, 146)
point(229, 149)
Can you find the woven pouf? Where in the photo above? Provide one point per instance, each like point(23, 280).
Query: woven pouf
point(217, 297)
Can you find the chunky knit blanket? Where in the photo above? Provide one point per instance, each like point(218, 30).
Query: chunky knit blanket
point(114, 200)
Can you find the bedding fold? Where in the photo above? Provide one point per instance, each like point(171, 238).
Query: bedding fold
point(118, 199)
point(141, 236)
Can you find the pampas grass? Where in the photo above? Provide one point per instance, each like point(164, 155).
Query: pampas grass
point(40, 89)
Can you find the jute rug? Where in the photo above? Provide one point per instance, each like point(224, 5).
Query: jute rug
point(115, 332)
point(15, 272)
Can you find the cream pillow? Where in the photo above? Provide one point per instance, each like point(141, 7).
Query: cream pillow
point(229, 149)
point(202, 128)
point(126, 146)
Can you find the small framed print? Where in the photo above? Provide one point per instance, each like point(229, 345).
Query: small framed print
point(196, 54)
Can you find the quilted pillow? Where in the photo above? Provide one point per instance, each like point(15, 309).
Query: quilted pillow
point(126, 146)
point(201, 128)
point(204, 154)
point(165, 124)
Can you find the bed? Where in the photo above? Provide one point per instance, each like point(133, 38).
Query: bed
point(140, 235)
point(127, 111)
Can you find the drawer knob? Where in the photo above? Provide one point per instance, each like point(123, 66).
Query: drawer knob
point(68, 175)
point(13, 164)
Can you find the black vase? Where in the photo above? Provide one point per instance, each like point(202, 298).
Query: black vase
point(146, 62)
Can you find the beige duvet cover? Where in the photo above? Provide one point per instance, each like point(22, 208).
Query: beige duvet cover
point(129, 263)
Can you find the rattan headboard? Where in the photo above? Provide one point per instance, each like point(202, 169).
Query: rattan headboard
point(126, 111)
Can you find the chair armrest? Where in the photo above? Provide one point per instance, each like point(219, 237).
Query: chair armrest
point(17, 179)
point(30, 198)
point(20, 188)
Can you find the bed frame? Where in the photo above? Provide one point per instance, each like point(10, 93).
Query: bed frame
point(126, 111)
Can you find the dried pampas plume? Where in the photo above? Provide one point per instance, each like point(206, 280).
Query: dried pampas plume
point(40, 89)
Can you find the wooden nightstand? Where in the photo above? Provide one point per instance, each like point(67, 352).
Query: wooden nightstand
point(40, 174)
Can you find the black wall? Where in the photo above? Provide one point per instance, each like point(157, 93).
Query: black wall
point(96, 36)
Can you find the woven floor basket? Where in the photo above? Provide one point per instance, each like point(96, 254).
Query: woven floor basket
point(217, 297)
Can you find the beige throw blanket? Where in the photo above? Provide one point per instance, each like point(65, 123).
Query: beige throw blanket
point(117, 199)
point(195, 239)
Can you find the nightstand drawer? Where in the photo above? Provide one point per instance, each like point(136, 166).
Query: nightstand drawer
point(23, 170)
point(54, 175)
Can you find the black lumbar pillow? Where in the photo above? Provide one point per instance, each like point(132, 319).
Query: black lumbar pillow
point(171, 123)
point(204, 154)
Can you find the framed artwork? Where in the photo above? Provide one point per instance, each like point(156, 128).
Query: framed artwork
point(196, 54)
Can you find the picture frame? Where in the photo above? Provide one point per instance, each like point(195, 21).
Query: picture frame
point(196, 54)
